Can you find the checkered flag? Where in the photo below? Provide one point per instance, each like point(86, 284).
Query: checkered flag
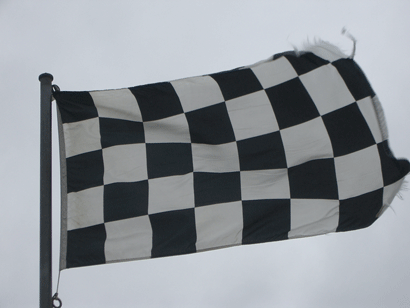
point(290, 147)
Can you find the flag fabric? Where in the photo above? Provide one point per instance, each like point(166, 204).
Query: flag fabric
point(290, 147)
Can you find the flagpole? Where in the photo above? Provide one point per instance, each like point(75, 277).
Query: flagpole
point(45, 191)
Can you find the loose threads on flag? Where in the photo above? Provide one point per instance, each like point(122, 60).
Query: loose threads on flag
point(347, 33)
point(323, 49)
point(403, 187)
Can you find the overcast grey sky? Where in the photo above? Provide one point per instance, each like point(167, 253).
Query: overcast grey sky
point(91, 45)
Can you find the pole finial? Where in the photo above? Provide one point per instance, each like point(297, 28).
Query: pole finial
point(45, 76)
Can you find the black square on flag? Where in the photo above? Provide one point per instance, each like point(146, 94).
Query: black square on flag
point(291, 103)
point(262, 152)
point(118, 131)
point(315, 179)
point(173, 233)
point(212, 188)
point(168, 159)
point(157, 101)
point(210, 125)
point(348, 130)
point(85, 171)
point(125, 200)
point(265, 220)
point(237, 83)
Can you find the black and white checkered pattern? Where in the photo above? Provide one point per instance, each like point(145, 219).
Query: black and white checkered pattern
point(287, 148)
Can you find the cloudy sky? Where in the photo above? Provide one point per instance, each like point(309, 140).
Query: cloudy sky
point(92, 45)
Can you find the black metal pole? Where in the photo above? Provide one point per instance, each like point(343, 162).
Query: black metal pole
point(45, 191)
